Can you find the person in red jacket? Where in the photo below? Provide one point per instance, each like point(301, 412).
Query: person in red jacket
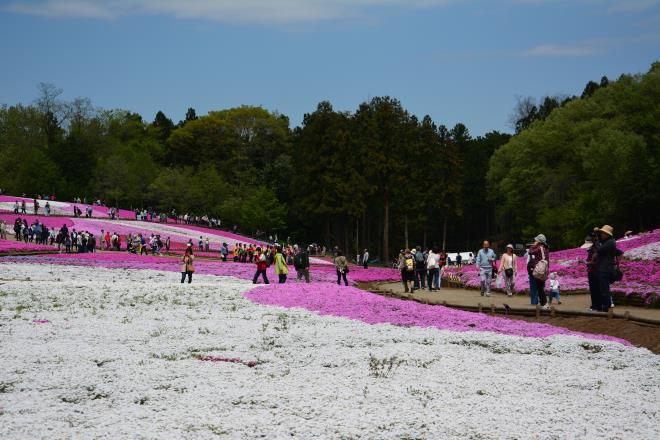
point(262, 265)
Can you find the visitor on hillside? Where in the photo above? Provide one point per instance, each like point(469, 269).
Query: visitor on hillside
point(301, 263)
point(3, 230)
point(533, 294)
point(508, 269)
point(433, 267)
point(16, 208)
point(459, 260)
point(554, 288)
point(365, 259)
point(341, 265)
point(537, 267)
point(281, 269)
point(47, 209)
point(420, 269)
point(485, 263)
point(407, 269)
point(23, 207)
point(592, 275)
point(187, 267)
point(606, 256)
point(168, 243)
point(36, 207)
point(262, 265)
point(224, 250)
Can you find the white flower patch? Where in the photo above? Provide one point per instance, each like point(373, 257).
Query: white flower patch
point(115, 354)
point(647, 252)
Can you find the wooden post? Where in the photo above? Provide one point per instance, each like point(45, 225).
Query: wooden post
point(492, 309)
point(538, 311)
point(626, 315)
point(479, 305)
point(610, 313)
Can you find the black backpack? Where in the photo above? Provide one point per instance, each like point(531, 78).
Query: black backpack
point(297, 261)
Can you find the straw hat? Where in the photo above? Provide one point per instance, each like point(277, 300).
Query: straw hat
point(509, 246)
point(607, 229)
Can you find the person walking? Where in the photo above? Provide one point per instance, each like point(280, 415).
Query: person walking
point(365, 259)
point(420, 269)
point(433, 268)
point(262, 265)
point(341, 265)
point(555, 288)
point(538, 267)
point(281, 269)
point(533, 294)
point(592, 276)
point(3, 230)
point(187, 267)
point(301, 263)
point(407, 269)
point(606, 256)
point(508, 269)
point(485, 261)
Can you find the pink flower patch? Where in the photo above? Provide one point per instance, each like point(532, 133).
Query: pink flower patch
point(250, 364)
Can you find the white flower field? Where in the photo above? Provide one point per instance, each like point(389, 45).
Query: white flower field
point(91, 352)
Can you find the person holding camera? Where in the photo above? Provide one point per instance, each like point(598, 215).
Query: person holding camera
point(604, 258)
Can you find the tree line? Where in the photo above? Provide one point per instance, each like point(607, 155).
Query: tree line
point(378, 178)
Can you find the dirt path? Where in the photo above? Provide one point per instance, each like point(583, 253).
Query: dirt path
point(641, 335)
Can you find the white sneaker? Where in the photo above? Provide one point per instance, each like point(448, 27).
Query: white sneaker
point(545, 307)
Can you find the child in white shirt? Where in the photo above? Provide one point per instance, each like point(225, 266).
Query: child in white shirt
point(554, 288)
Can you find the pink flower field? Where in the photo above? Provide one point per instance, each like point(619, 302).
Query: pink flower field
point(354, 303)
point(61, 208)
point(13, 246)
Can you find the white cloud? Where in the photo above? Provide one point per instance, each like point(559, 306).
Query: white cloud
point(260, 11)
point(561, 50)
point(265, 11)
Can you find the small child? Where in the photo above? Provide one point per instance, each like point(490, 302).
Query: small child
point(554, 288)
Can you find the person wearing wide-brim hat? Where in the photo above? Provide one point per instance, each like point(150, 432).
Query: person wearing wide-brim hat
point(605, 256)
point(538, 266)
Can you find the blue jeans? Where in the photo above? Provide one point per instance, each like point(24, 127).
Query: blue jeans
point(532, 290)
point(433, 277)
point(555, 294)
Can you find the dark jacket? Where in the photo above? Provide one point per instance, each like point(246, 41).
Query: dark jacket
point(606, 253)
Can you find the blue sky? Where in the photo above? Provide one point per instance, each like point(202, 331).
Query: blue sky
point(456, 60)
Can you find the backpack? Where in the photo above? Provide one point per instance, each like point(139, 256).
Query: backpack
point(297, 261)
point(540, 271)
point(410, 264)
point(270, 259)
point(419, 259)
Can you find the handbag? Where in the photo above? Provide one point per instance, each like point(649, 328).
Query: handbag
point(540, 271)
point(509, 272)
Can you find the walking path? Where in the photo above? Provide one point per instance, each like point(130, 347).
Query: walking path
point(472, 298)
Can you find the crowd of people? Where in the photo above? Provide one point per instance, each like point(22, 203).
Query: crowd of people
point(421, 268)
point(602, 262)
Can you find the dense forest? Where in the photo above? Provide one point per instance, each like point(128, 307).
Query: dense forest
point(378, 177)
